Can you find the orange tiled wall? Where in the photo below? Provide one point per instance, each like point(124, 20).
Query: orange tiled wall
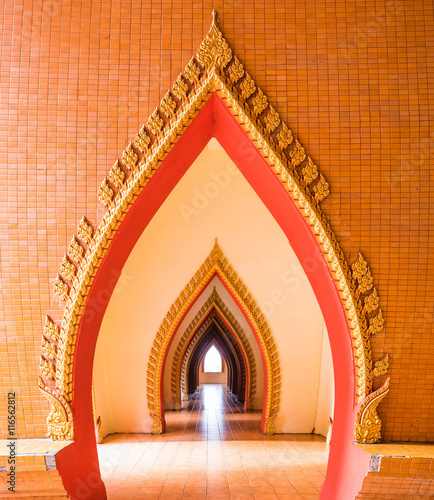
point(352, 79)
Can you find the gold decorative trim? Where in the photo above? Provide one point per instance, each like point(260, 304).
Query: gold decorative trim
point(61, 289)
point(198, 341)
point(381, 366)
point(368, 423)
point(60, 424)
point(51, 330)
point(214, 55)
point(194, 332)
point(215, 264)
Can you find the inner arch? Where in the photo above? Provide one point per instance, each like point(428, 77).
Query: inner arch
point(212, 199)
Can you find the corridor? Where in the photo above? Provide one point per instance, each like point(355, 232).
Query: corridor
point(213, 450)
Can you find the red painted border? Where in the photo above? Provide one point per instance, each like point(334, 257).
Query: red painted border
point(348, 465)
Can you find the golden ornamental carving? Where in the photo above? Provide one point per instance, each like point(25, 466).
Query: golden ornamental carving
point(193, 334)
point(117, 176)
point(180, 89)
point(215, 264)
point(284, 137)
point(272, 120)
point(247, 87)
point(47, 369)
point(214, 50)
point(84, 231)
point(142, 140)
point(75, 251)
point(51, 330)
point(381, 366)
point(67, 269)
point(321, 189)
point(371, 302)
point(168, 105)
point(48, 350)
point(129, 159)
point(362, 274)
point(213, 81)
point(259, 103)
point(155, 123)
point(61, 289)
point(376, 323)
point(235, 70)
point(60, 424)
point(105, 193)
point(309, 172)
point(192, 72)
point(297, 154)
point(368, 423)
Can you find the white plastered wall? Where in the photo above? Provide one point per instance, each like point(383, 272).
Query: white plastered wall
point(212, 200)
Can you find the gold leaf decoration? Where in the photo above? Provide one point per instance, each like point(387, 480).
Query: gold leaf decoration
point(84, 231)
point(117, 176)
point(376, 323)
point(180, 89)
point(61, 289)
point(105, 193)
point(309, 172)
point(368, 423)
point(214, 50)
point(60, 424)
point(168, 105)
point(67, 269)
point(142, 140)
point(48, 350)
point(129, 158)
point(259, 102)
point(51, 330)
point(381, 366)
point(47, 369)
point(297, 154)
point(272, 120)
point(236, 70)
point(371, 303)
point(75, 251)
point(321, 189)
point(284, 137)
point(155, 123)
point(366, 282)
point(192, 72)
point(247, 87)
point(360, 267)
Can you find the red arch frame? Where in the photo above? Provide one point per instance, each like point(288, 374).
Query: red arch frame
point(78, 463)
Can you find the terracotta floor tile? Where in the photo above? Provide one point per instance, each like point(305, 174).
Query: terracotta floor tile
point(213, 452)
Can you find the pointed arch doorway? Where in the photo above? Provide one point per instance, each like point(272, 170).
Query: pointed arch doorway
point(214, 112)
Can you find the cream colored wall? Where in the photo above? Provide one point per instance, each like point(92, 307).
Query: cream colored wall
point(214, 377)
point(212, 200)
point(326, 393)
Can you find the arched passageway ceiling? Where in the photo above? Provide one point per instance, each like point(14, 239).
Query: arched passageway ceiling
point(214, 309)
point(209, 73)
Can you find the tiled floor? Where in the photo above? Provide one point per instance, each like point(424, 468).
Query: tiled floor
point(213, 450)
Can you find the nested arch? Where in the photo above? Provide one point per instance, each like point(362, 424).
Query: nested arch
point(214, 97)
point(227, 353)
point(213, 310)
point(216, 264)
